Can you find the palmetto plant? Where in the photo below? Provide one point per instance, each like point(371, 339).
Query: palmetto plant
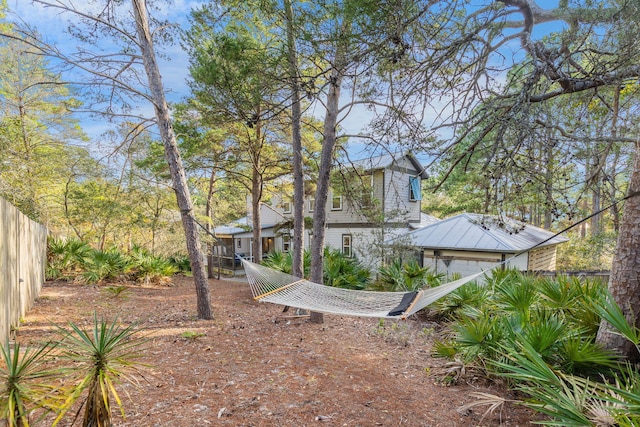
point(342, 271)
point(541, 336)
point(406, 277)
point(149, 268)
point(65, 258)
point(570, 400)
point(101, 357)
point(100, 265)
point(282, 261)
point(25, 383)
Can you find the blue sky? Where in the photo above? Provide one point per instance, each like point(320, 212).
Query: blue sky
point(174, 72)
point(51, 24)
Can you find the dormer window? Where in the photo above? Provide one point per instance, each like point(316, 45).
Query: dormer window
point(336, 203)
point(415, 192)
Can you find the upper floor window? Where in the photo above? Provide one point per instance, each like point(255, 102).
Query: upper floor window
point(312, 204)
point(286, 243)
point(286, 207)
point(346, 245)
point(336, 203)
point(415, 192)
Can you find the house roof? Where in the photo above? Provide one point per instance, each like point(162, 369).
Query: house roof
point(241, 228)
point(235, 227)
point(485, 233)
point(425, 220)
point(385, 161)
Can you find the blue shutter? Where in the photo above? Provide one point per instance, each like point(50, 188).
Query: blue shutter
point(414, 182)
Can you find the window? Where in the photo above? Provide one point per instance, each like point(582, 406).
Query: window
point(312, 204)
point(239, 243)
point(346, 245)
point(286, 207)
point(286, 243)
point(415, 192)
point(367, 198)
point(336, 203)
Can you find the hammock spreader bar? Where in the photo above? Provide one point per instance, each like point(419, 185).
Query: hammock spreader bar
point(407, 301)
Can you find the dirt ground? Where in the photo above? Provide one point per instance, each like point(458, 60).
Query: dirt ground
point(254, 365)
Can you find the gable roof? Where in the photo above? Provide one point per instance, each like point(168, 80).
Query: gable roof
point(425, 220)
point(386, 161)
point(483, 233)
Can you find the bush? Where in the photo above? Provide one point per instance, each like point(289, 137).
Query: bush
point(72, 259)
point(339, 270)
point(405, 277)
point(65, 258)
point(541, 334)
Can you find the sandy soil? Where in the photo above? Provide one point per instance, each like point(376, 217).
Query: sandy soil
point(254, 365)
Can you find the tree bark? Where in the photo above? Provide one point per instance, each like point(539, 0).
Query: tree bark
point(256, 196)
point(210, 213)
point(324, 173)
point(297, 267)
point(624, 283)
point(172, 155)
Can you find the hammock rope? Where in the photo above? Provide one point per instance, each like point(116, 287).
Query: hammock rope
point(268, 285)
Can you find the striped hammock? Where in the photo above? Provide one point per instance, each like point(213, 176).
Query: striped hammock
point(268, 285)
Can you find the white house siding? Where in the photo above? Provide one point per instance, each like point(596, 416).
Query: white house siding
point(397, 195)
point(271, 213)
point(366, 242)
point(466, 263)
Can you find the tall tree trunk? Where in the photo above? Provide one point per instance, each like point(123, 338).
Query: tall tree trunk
point(210, 212)
point(624, 283)
point(297, 267)
point(615, 212)
point(172, 155)
point(548, 182)
point(257, 185)
point(324, 173)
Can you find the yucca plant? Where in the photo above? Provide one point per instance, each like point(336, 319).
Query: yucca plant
point(26, 383)
point(102, 356)
point(478, 336)
point(517, 294)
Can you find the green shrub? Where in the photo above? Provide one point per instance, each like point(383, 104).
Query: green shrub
point(104, 265)
point(540, 334)
point(405, 277)
point(65, 258)
point(147, 268)
point(339, 270)
point(181, 263)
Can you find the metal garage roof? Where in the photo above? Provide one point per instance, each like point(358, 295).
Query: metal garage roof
point(475, 232)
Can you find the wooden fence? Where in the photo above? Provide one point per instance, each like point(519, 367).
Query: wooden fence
point(602, 275)
point(23, 256)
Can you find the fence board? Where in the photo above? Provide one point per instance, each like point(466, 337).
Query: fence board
point(23, 251)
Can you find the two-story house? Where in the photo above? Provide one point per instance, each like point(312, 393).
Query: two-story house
point(371, 200)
